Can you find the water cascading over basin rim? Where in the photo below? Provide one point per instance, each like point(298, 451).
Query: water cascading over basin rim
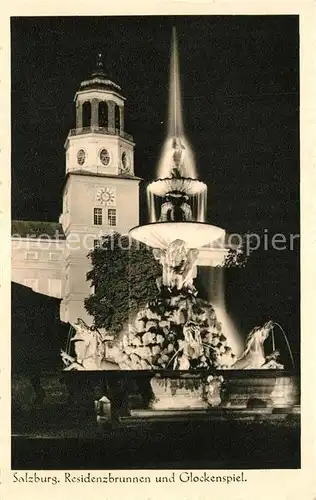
point(186, 185)
point(162, 234)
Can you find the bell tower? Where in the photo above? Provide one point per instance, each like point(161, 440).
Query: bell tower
point(101, 191)
point(99, 143)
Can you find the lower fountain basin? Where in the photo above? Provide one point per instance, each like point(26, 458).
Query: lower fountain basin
point(238, 389)
point(175, 390)
point(161, 234)
point(274, 389)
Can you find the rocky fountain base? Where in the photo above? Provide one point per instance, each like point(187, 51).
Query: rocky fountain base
point(176, 331)
point(179, 343)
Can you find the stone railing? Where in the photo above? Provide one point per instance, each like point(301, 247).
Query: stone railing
point(101, 130)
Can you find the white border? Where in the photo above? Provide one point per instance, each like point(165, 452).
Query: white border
point(272, 484)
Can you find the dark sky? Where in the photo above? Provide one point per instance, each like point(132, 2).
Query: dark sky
point(240, 88)
point(239, 77)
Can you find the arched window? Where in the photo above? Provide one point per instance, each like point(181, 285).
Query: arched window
point(103, 114)
point(86, 114)
point(117, 117)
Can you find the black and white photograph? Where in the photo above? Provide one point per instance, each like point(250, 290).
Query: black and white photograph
point(155, 229)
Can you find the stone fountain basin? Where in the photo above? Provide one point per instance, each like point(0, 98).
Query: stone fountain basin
point(190, 187)
point(239, 389)
point(175, 390)
point(162, 234)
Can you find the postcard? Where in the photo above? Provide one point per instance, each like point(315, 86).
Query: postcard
point(157, 250)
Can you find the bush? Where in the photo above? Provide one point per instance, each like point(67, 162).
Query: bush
point(124, 277)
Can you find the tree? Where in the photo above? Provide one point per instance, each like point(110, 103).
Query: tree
point(123, 275)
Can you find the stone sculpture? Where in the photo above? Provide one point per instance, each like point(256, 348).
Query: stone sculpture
point(253, 357)
point(178, 265)
point(89, 346)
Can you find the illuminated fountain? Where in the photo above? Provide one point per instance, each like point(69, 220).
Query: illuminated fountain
point(178, 331)
point(177, 230)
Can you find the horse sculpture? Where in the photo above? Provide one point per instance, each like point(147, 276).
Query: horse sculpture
point(89, 345)
point(254, 356)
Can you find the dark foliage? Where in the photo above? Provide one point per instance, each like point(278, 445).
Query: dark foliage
point(124, 277)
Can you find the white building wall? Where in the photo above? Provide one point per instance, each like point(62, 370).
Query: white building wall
point(35, 262)
point(82, 193)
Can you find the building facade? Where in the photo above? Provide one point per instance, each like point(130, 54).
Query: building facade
point(51, 258)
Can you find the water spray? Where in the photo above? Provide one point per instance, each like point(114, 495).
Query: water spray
point(286, 340)
point(68, 345)
point(273, 340)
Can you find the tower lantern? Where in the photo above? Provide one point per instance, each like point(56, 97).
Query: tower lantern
point(99, 143)
point(99, 102)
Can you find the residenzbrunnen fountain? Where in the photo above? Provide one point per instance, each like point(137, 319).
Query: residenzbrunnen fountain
point(178, 338)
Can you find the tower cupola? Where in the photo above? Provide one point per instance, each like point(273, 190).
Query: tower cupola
point(99, 143)
point(100, 103)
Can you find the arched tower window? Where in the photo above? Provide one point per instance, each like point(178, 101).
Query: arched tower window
point(117, 117)
point(103, 114)
point(86, 114)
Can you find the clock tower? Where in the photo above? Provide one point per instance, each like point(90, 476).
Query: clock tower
point(101, 191)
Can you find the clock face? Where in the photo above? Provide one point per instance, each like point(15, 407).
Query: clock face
point(105, 157)
point(81, 156)
point(106, 196)
point(126, 162)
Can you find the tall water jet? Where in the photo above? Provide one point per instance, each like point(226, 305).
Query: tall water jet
point(177, 195)
point(175, 111)
point(176, 142)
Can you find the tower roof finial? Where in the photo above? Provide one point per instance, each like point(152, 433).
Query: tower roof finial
point(99, 66)
point(99, 77)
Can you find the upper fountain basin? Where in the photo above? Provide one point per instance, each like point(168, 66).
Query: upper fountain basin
point(161, 234)
point(189, 186)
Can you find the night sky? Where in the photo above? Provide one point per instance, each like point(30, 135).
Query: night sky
point(240, 89)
